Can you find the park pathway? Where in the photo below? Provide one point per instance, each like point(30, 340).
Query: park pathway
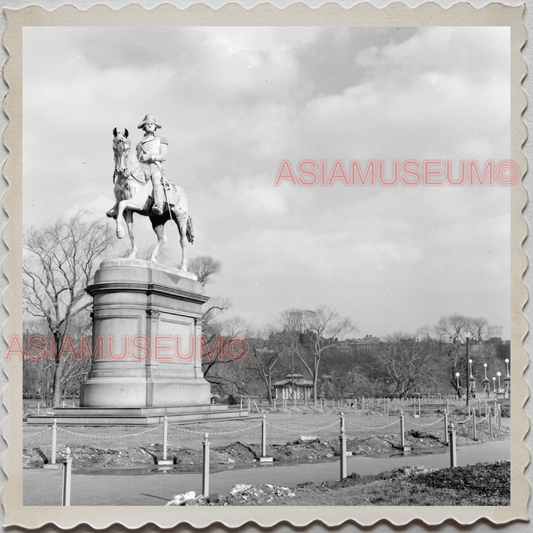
point(43, 487)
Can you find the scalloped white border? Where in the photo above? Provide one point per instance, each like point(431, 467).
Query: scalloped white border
point(294, 14)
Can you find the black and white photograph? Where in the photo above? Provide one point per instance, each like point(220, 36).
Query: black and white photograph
point(270, 265)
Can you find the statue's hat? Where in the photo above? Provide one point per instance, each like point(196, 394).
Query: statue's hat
point(149, 118)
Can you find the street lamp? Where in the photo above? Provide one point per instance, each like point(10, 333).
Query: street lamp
point(499, 383)
point(468, 363)
point(457, 378)
point(507, 379)
point(471, 379)
point(486, 381)
point(494, 383)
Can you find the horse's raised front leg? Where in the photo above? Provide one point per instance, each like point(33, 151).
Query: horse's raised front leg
point(123, 207)
point(159, 228)
point(181, 222)
point(120, 214)
point(128, 217)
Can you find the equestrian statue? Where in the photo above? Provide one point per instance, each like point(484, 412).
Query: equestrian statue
point(140, 187)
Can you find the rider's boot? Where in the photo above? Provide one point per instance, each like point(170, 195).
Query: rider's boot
point(158, 196)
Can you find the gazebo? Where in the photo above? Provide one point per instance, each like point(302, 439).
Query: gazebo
point(293, 387)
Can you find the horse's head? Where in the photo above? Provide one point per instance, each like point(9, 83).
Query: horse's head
point(121, 147)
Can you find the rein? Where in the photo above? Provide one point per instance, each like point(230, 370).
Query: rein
point(127, 173)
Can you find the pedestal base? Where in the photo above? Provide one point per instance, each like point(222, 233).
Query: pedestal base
point(147, 338)
point(83, 416)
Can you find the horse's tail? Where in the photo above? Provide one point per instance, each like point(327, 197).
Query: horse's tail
point(190, 230)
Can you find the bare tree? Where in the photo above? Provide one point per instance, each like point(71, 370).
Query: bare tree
point(407, 361)
point(264, 355)
point(60, 259)
point(451, 333)
point(312, 332)
point(204, 266)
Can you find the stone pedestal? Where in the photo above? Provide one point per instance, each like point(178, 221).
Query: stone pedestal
point(146, 338)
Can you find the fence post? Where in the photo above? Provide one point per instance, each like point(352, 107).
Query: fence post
point(499, 414)
point(38, 407)
point(249, 405)
point(402, 429)
point(419, 408)
point(453, 450)
point(342, 442)
point(355, 405)
point(205, 470)
point(474, 429)
point(445, 427)
point(263, 437)
point(54, 441)
point(165, 437)
point(67, 478)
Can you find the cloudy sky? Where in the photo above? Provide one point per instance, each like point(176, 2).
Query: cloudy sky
point(236, 102)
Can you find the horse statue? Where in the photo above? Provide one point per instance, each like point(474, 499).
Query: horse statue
point(133, 194)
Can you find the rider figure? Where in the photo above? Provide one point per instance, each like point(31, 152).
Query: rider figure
point(151, 152)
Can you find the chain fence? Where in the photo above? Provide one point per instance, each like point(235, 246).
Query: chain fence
point(190, 435)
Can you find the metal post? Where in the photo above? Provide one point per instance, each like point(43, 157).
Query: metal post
point(402, 430)
point(474, 429)
point(67, 478)
point(453, 450)
point(248, 405)
point(490, 421)
point(499, 414)
point(205, 471)
point(342, 441)
point(54, 441)
point(445, 427)
point(165, 438)
point(263, 437)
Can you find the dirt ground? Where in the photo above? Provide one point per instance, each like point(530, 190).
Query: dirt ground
point(293, 436)
point(481, 485)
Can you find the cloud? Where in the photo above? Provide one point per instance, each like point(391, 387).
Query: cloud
point(235, 102)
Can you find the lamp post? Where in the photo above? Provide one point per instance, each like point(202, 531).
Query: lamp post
point(471, 378)
point(457, 378)
point(494, 383)
point(507, 379)
point(499, 382)
point(486, 381)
